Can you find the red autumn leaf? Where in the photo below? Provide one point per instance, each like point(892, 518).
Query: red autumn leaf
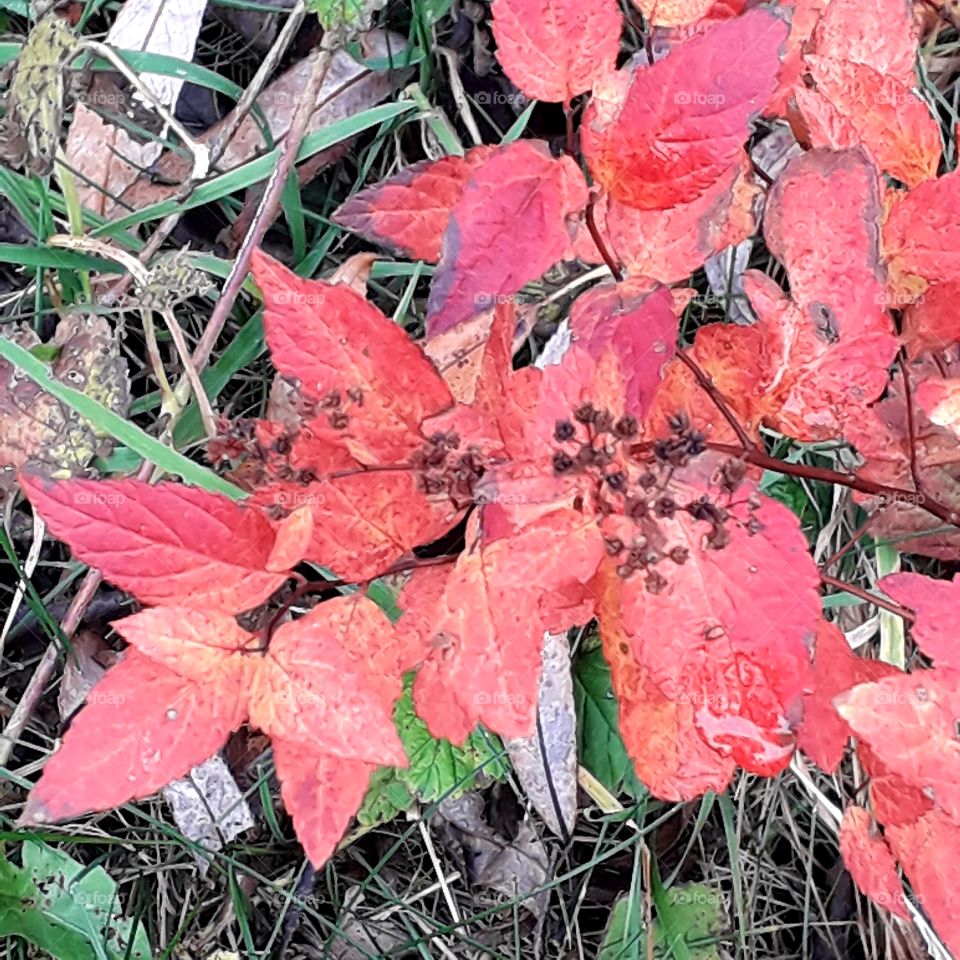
point(668, 752)
point(884, 36)
point(321, 793)
point(740, 650)
point(340, 662)
point(935, 604)
point(520, 192)
point(410, 210)
point(373, 384)
point(164, 543)
point(668, 245)
point(195, 676)
point(804, 17)
point(870, 862)
point(854, 104)
point(931, 322)
point(144, 725)
point(638, 324)
point(910, 724)
point(893, 800)
point(363, 522)
point(556, 49)
point(655, 137)
point(921, 237)
point(823, 735)
point(927, 849)
point(832, 343)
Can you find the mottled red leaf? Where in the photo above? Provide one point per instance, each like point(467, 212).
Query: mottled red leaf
point(164, 543)
point(935, 604)
point(852, 104)
point(823, 735)
point(668, 245)
point(556, 49)
point(409, 211)
point(638, 324)
point(321, 794)
point(910, 724)
point(670, 755)
point(329, 682)
point(929, 851)
point(519, 193)
point(374, 383)
point(665, 133)
point(921, 237)
point(143, 726)
point(892, 800)
point(931, 322)
point(870, 862)
point(362, 522)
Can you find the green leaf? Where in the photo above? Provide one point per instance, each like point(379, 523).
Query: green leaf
point(600, 746)
point(688, 924)
point(437, 768)
point(107, 422)
point(347, 15)
point(65, 908)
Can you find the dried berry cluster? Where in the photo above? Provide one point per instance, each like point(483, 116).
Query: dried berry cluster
point(635, 482)
point(444, 472)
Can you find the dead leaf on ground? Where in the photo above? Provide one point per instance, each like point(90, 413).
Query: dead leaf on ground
point(546, 763)
point(36, 429)
point(512, 867)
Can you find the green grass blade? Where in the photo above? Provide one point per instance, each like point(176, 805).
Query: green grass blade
point(111, 423)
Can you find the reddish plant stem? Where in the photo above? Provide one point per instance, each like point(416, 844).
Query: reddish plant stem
point(608, 258)
point(760, 459)
point(868, 597)
point(707, 385)
point(751, 453)
point(852, 542)
point(571, 132)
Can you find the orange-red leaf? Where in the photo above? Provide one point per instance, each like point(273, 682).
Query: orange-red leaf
point(410, 210)
point(638, 323)
point(910, 724)
point(921, 237)
point(519, 193)
point(673, 13)
point(164, 543)
point(940, 401)
point(870, 862)
point(202, 646)
point(668, 245)
point(824, 733)
point(374, 384)
point(670, 756)
point(929, 851)
point(731, 629)
point(853, 104)
point(931, 322)
point(364, 521)
point(321, 794)
point(665, 133)
point(143, 726)
point(556, 49)
point(935, 603)
point(329, 682)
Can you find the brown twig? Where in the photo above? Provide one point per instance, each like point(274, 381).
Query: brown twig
point(868, 597)
point(707, 385)
point(608, 258)
point(853, 541)
point(270, 203)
